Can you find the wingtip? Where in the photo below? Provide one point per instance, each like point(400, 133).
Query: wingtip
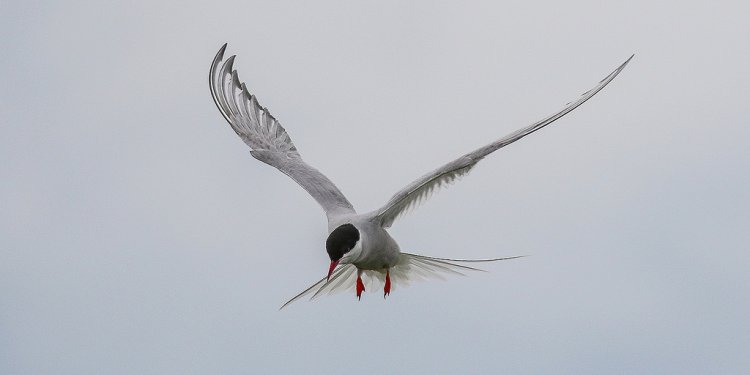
point(610, 77)
point(627, 61)
point(220, 54)
point(228, 65)
point(214, 64)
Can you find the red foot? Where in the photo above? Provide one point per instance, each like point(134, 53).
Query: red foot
point(387, 289)
point(360, 287)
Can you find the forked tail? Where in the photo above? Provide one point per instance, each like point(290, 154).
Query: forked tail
point(410, 268)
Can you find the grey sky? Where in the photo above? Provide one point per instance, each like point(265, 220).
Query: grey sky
point(138, 236)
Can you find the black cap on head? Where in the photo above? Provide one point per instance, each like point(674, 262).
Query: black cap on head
point(341, 241)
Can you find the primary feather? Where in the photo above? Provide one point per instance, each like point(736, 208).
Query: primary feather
point(417, 191)
point(268, 140)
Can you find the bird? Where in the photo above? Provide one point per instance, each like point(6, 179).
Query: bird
point(357, 244)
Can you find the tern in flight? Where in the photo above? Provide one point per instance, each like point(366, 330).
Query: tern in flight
point(358, 244)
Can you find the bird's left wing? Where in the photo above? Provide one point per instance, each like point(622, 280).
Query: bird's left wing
point(415, 192)
point(268, 140)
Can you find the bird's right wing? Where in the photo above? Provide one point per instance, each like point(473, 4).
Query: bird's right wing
point(268, 140)
point(415, 192)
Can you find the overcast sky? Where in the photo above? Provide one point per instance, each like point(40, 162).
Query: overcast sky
point(138, 236)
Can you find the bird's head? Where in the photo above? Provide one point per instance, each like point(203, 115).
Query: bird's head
point(340, 244)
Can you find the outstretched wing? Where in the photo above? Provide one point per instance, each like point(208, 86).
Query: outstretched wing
point(418, 190)
point(268, 140)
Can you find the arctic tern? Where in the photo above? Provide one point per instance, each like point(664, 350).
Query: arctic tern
point(358, 244)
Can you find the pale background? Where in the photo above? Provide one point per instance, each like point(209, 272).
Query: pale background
point(138, 236)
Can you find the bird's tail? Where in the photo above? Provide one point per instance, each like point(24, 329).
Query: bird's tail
point(410, 268)
point(413, 267)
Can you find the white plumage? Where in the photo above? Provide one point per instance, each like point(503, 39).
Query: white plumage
point(375, 255)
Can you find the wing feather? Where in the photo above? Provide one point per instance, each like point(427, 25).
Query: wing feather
point(268, 140)
point(417, 191)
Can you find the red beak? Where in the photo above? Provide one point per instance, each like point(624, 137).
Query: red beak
point(334, 263)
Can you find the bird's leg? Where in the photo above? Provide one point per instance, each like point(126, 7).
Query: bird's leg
point(387, 288)
point(360, 284)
